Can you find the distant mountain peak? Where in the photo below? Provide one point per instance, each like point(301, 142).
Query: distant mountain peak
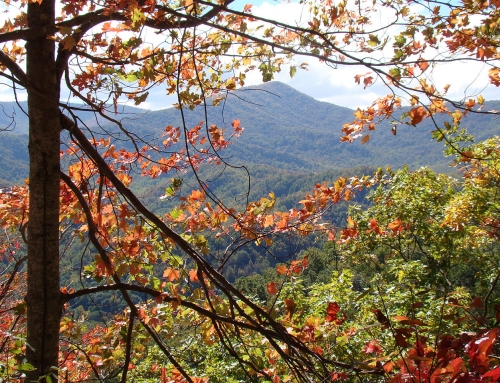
point(277, 88)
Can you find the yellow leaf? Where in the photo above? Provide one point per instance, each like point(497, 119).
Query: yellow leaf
point(359, 114)
point(269, 220)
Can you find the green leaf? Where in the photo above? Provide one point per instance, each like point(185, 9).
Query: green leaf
point(169, 191)
point(437, 135)
point(400, 40)
point(119, 353)
point(137, 16)
point(176, 212)
point(27, 367)
point(131, 78)
point(395, 72)
point(293, 70)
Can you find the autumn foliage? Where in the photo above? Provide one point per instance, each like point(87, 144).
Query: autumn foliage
point(416, 313)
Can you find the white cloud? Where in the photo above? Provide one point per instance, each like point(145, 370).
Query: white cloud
point(467, 78)
point(327, 84)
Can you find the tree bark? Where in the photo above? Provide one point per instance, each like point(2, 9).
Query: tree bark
point(44, 303)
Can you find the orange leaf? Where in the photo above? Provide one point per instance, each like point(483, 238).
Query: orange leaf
point(269, 220)
point(305, 262)
point(388, 367)
point(400, 318)
point(281, 269)
point(141, 313)
point(394, 225)
point(423, 65)
point(171, 274)
point(272, 288)
point(193, 276)
point(236, 124)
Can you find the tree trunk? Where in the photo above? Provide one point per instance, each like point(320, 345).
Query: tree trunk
point(44, 304)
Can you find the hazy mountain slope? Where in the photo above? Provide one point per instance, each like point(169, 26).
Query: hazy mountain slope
point(13, 158)
point(284, 129)
point(289, 130)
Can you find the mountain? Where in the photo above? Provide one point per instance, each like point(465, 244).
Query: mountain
point(284, 130)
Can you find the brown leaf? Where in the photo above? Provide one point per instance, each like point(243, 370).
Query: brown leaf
point(417, 115)
point(401, 341)
point(381, 318)
point(290, 307)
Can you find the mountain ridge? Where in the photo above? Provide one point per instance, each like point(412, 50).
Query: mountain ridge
point(284, 129)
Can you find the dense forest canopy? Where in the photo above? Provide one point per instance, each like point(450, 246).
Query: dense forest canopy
point(403, 302)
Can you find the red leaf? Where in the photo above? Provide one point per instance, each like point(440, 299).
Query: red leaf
point(332, 314)
point(372, 347)
point(494, 374)
point(497, 309)
point(477, 303)
point(367, 81)
point(338, 376)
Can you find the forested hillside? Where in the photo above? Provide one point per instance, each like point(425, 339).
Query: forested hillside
point(284, 130)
